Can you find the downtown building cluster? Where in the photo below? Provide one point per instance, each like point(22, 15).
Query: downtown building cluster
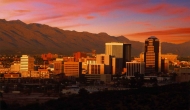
point(116, 61)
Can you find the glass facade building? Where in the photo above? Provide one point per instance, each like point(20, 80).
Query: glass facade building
point(114, 49)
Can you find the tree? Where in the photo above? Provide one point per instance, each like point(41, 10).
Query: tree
point(3, 105)
point(138, 80)
point(83, 92)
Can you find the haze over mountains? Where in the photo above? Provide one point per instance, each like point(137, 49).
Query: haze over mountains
point(17, 37)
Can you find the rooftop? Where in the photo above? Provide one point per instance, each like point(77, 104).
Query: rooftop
point(152, 37)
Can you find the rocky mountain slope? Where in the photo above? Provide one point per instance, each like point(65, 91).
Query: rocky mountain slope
point(17, 37)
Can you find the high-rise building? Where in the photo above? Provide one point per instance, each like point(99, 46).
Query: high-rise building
point(164, 65)
point(117, 65)
point(114, 49)
point(126, 54)
point(121, 53)
point(26, 63)
point(152, 55)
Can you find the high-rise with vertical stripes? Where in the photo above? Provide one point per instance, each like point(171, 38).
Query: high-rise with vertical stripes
point(152, 55)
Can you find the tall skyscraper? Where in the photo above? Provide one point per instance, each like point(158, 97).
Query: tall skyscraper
point(121, 53)
point(152, 55)
point(114, 49)
point(126, 54)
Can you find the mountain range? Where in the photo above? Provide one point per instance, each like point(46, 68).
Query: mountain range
point(17, 37)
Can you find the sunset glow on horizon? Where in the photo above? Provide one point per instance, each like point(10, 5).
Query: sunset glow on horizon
point(168, 20)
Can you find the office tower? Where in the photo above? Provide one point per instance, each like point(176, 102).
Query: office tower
point(26, 63)
point(104, 59)
point(133, 67)
point(96, 69)
point(120, 53)
point(152, 55)
point(117, 64)
point(164, 65)
point(114, 49)
point(73, 69)
point(58, 67)
point(126, 54)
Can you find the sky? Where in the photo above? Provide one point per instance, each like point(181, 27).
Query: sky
point(168, 20)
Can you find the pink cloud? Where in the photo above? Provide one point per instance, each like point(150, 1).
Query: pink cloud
point(85, 7)
point(90, 17)
point(154, 9)
point(165, 9)
point(177, 35)
point(12, 1)
point(52, 12)
point(74, 25)
point(164, 32)
point(22, 11)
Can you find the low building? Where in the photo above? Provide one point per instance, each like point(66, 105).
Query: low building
point(183, 74)
point(117, 64)
point(134, 67)
point(35, 74)
point(106, 60)
point(44, 73)
point(25, 74)
point(98, 77)
point(58, 67)
point(12, 75)
point(73, 69)
point(96, 69)
point(183, 77)
point(15, 67)
point(165, 65)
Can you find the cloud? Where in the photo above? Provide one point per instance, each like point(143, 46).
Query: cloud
point(164, 32)
point(64, 14)
point(22, 11)
point(67, 8)
point(83, 8)
point(90, 17)
point(74, 25)
point(12, 1)
point(164, 9)
point(177, 35)
point(153, 9)
point(184, 19)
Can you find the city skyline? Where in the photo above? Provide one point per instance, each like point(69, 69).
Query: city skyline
point(167, 20)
